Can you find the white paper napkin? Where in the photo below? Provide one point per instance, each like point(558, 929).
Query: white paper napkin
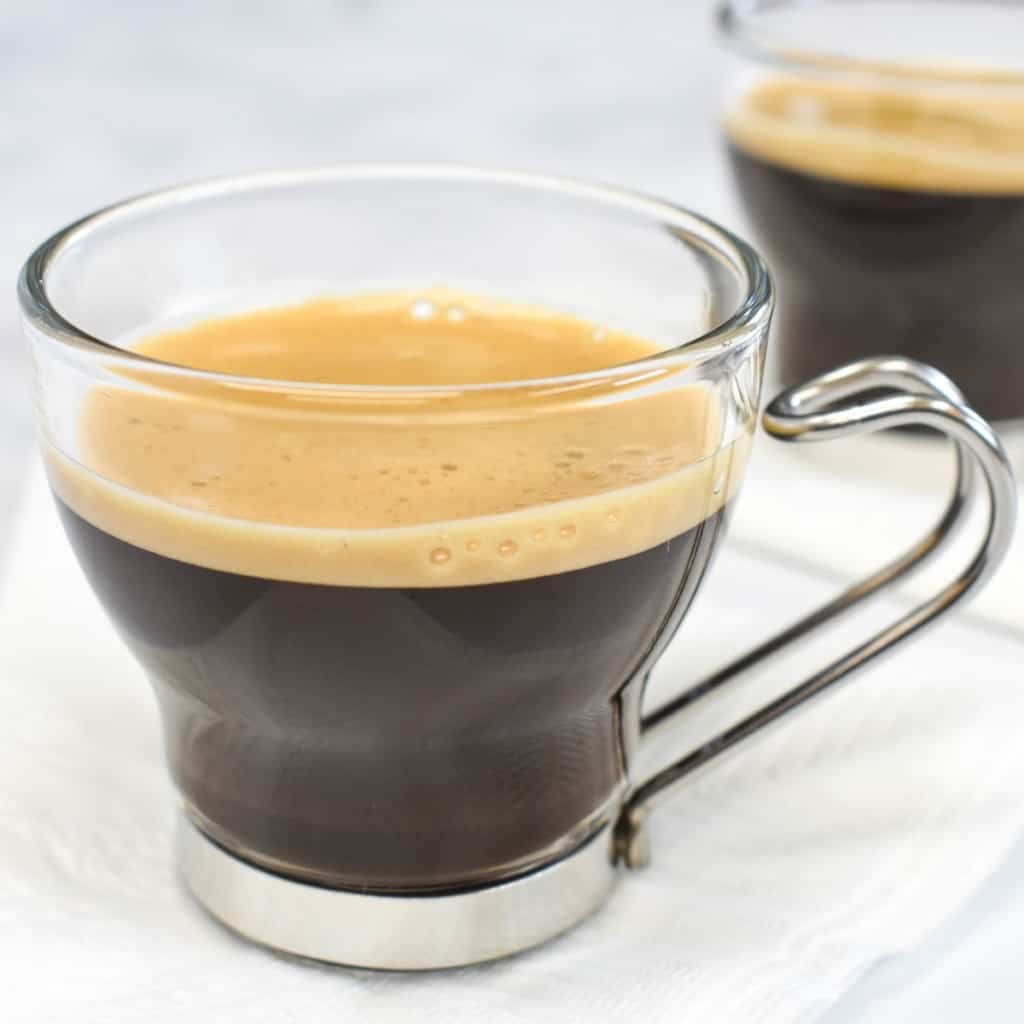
point(849, 506)
point(844, 836)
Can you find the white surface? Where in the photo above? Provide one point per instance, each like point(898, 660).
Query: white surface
point(108, 98)
point(849, 506)
point(845, 837)
point(968, 971)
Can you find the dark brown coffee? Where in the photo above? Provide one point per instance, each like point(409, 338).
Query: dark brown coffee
point(894, 223)
point(393, 656)
point(389, 736)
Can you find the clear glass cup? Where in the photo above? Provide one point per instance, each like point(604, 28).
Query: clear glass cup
point(369, 722)
point(878, 150)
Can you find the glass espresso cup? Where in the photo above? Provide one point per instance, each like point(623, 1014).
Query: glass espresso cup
point(878, 149)
point(411, 746)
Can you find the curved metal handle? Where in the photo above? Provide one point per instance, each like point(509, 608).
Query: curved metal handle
point(829, 406)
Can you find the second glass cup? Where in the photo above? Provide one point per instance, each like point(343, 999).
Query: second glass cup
point(878, 149)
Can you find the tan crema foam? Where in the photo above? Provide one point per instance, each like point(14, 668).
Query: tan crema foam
point(267, 487)
point(949, 137)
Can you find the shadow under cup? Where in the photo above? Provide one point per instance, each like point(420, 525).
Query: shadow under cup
point(425, 707)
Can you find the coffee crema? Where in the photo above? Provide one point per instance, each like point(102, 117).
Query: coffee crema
point(428, 498)
point(950, 138)
point(892, 214)
point(395, 650)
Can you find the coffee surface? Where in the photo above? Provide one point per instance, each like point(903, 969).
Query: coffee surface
point(950, 137)
point(461, 487)
point(397, 644)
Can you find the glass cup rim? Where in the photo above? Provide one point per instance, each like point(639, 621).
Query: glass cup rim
point(740, 328)
point(736, 23)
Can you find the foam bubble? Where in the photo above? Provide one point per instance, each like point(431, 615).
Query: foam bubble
point(422, 309)
point(439, 556)
point(805, 108)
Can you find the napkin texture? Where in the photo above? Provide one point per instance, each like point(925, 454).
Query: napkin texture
point(849, 506)
point(844, 836)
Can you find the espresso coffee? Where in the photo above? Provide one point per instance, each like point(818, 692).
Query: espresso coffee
point(893, 219)
point(392, 648)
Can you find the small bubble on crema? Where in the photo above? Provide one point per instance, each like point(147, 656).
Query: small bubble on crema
point(422, 309)
point(440, 555)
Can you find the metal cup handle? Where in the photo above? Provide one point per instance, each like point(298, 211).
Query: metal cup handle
point(834, 405)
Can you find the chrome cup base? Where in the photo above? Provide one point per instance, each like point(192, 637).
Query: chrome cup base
point(396, 932)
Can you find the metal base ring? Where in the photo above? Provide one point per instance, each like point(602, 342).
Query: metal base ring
point(394, 932)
